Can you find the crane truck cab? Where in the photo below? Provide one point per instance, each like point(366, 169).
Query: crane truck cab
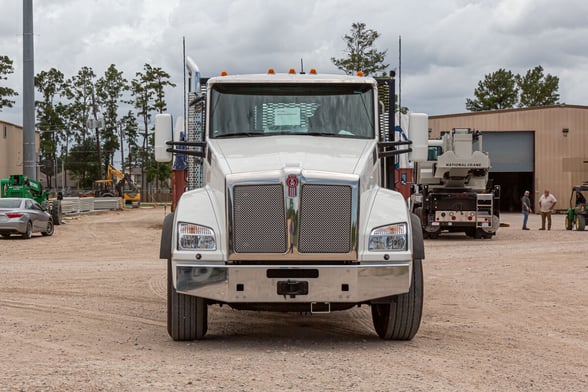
point(293, 213)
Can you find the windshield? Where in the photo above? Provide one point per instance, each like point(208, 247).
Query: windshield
point(340, 110)
point(434, 152)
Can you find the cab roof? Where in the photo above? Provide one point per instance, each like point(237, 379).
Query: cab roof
point(291, 78)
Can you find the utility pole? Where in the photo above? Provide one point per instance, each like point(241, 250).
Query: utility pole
point(97, 129)
point(28, 93)
point(122, 143)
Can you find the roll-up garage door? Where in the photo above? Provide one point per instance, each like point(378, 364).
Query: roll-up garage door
point(510, 152)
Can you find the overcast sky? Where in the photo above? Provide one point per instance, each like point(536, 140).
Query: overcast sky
point(447, 45)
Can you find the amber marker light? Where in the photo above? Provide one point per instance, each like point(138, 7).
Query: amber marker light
point(360, 73)
point(312, 71)
point(292, 71)
point(271, 71)
point(224, 73)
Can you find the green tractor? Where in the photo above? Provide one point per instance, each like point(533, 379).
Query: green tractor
point(578, 212)
point(18, 185)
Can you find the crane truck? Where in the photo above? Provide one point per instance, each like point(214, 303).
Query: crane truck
point(295, 211)
point(452, 192)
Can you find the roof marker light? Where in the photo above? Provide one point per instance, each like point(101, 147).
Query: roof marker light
point(312, 71)
point(292, 71)
point(271, 71)
point(360, 73)
point(224, 73)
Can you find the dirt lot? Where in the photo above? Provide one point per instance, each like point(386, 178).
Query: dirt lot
point(85, 310)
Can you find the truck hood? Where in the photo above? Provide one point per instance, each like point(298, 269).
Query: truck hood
point(255, 154)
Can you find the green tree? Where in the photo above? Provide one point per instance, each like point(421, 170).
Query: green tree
point(6, 92)
point(129, 130)
point(82, 163)
point(537, 89)
point(361, 56)
point(50, 114)
point(81, 90)
point(498, 90)
point(109, 91)
point(147, 89)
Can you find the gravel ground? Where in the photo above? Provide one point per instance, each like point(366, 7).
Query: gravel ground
point(85, 310)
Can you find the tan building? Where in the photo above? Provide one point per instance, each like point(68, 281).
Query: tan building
point(11, 154)
point(530, 149)
point(11, 149)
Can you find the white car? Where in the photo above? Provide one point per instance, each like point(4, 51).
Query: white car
point(24, 216)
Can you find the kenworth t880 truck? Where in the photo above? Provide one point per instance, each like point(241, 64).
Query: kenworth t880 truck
point(295, 211)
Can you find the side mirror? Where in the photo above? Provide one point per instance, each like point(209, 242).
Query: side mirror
point(418, 132)
point(163, 134)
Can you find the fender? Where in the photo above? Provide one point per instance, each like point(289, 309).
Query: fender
point(166, 236)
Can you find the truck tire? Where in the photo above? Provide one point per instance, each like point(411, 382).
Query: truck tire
point(400, 320)
point(56, 212)
point(481, 234)
point(187, 316)
point(580, 222)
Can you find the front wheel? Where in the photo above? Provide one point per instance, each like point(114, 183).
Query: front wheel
point(50, 229)
point(569, 223)
point(400, 320)
point(187, 316)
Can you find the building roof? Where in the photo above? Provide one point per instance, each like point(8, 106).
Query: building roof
point(9, 123)
point(500, 111)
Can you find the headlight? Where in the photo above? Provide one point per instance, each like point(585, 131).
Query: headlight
point(389, 238)
point(195, 237)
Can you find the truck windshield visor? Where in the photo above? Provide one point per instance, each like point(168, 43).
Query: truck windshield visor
point(335, 110)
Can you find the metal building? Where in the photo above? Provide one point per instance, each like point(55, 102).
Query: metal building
point(530, 149)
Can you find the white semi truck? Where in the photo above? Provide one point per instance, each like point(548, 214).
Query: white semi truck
point(294, 213)
point(452, 189)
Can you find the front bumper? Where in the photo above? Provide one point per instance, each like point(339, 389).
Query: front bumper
point(260, 283)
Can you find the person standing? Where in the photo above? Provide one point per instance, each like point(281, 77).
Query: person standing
point(546, 203)
point(526, 204)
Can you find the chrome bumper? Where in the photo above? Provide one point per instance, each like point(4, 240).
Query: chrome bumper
point(260, 283)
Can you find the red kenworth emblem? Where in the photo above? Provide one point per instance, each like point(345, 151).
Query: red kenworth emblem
point(292, 183)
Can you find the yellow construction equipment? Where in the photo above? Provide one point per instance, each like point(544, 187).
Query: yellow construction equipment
point(123, 187)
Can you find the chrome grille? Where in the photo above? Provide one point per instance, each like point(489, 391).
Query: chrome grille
point(259, 219)
point(325, 219)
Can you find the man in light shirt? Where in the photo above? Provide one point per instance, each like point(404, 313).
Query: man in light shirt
point(546, 204)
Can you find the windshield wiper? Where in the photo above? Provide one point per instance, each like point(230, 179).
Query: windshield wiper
point(329, 134)
point(238, 134)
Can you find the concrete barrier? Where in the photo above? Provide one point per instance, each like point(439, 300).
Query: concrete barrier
point(80, 205)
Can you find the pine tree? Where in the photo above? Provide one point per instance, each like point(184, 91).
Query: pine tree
point(361, 56)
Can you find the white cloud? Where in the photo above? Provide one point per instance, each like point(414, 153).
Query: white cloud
point(447, 45)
